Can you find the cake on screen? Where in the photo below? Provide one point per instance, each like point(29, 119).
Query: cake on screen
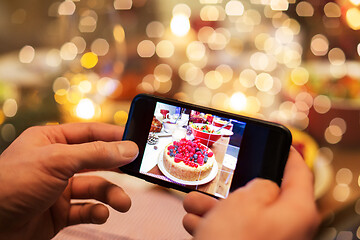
point(188, 160)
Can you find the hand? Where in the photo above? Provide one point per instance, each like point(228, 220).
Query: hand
point(260, 210)
point(37, 183)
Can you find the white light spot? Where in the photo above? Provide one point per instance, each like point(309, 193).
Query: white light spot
point(27, 54)
point(85, 109)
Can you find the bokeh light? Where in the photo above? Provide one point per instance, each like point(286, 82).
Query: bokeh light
point(234, 8)
point(247, 78)
point(80, 44)
point(182, 9)
point(26, 54)
point(279, 5)
point(195, 51)
point(353, 18)
point(61, 83)
point(88, 21)
point(304, 9)
point(332, 10)
point(165, 49)
point(85, 109)
point(191, 74)
point(119, 33)
point(163, 72)
point(100, 47)
point(336, 56)
point(68, 51)
point(322, 104)
point(319, 45)
point(212, 13)
point(299, 76)
point(67, 7)
point(53, 58)
point(155, 29)
point(120, 118)
point(89, 60)
point(213, 80)
point(123, 4)
point(180, 25)
point(345, 235)
point(264, 82)
point(238, 101)
point(8, 132)
point(344, 176)
point(10, 107)
point(341, 192)
point(146, 49)
point(226, 72)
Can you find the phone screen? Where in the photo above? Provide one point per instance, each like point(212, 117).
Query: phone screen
point(195, 148)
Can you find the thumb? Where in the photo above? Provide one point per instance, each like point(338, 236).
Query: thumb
point(69, 159)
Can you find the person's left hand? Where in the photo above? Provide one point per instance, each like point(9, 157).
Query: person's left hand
point(37, 183)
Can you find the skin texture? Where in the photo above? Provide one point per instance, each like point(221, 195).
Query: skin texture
point(259, 210)
point(37, 183)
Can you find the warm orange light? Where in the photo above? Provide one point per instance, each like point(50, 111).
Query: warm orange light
point(353, 18)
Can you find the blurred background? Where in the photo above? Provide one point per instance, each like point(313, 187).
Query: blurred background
point(287, 61)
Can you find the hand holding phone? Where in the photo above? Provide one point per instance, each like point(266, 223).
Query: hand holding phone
point(189, 147)
point(258, 210)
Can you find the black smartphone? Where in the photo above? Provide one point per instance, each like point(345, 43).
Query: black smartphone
point(189, 147)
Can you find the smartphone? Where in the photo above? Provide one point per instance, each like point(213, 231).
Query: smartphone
point(189, 147)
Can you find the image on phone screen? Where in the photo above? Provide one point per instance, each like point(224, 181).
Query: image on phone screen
point(193, 149)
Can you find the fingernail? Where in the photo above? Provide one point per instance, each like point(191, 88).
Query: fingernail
point(128, 149)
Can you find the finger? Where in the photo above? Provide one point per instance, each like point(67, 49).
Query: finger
point(86, 132)
point(198, 203)
point(69, 159)
point(261, 191)
point(92, 187)
point(191, 222)
point(72, 133)
point(87, 213)
point(298, 180)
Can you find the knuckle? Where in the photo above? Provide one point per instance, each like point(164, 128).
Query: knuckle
point(101, 149)
point(32, 130)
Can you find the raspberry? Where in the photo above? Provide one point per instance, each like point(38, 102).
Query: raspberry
point(210, 154)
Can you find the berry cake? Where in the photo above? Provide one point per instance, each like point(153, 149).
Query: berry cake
point(188, 160)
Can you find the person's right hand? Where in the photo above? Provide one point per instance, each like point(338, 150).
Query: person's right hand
point(37, 184)
point(260, 210)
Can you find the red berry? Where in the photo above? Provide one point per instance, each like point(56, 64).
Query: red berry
point(210, 154)
point(168, 153)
